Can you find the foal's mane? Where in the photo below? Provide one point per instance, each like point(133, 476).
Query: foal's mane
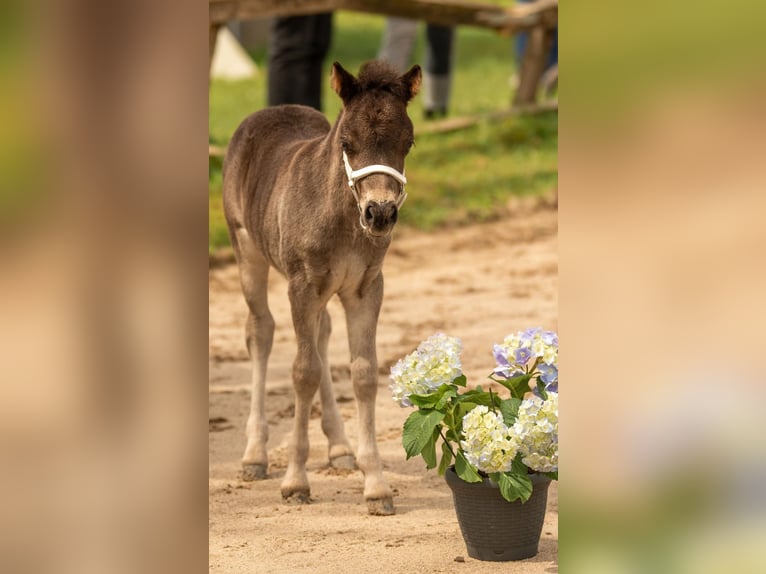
point(379, 75)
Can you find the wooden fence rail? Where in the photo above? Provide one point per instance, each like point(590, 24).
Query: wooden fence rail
point(539, 18)
point(445, 12)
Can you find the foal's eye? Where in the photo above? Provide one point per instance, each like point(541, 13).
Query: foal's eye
point(410, 144)
point(344, 145)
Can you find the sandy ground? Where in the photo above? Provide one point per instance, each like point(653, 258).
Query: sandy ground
point(478, 283)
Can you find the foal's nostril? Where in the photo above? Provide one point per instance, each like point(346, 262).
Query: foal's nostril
point(381, 215)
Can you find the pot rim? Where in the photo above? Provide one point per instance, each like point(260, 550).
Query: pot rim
point(451, 475)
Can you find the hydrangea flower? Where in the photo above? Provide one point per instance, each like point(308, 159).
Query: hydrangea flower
point(528, 350)
point(503, 438)
point(487, 443)
point(537, 432)
point(435, 362)
point(549, 375)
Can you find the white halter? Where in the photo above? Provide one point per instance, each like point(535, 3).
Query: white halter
point(354, 176)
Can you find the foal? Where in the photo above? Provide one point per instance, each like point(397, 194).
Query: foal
point(318, 203)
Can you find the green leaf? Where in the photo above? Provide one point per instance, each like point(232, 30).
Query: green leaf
point(541, 389)
point(554, 475)
point(465, 469)
point(423, 401)
point(510, 410)
point(418, 430)
point(446, 398)
point(446, 459)
point(463, 408)
point(429, 400)
point(478, 397)
point(517, 466)
point(514, 486)
point(460, 381)
point(429, 450)
point(518, 386)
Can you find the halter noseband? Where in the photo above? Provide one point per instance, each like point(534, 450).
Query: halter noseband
point(354, 176)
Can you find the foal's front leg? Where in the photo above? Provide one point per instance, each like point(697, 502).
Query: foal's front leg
point(362, 309)
point(307, 372)
point(339, 451)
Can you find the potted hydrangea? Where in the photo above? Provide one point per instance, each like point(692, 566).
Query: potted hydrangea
point(499, 451)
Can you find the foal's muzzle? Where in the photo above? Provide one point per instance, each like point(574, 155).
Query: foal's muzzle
point(379, 217)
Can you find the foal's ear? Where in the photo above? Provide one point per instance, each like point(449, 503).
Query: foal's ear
point(411, 81)
point(344, 84)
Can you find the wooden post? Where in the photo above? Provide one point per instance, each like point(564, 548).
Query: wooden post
point(532, 67)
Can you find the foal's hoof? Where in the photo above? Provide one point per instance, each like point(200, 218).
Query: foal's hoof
point(254, 472)
point(343, 462)
point(380, 506)
point(297, 497)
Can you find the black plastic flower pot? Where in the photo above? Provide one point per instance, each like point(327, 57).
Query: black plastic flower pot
point(493, 528)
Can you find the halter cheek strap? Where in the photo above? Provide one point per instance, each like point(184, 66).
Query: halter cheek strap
point(354, 176)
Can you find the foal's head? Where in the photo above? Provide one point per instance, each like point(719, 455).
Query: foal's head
point(375, 136)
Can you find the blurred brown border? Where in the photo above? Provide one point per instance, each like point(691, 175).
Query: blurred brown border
point(103, 291)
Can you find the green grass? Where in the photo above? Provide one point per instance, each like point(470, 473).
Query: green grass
point(455, 178)
point(467, 176)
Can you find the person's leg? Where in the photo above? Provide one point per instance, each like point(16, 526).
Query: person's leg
point(398, 41)
point(553, 57)
point(437, 81)
point(297, 50)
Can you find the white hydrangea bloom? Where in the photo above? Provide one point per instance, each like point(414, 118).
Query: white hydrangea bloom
point(542, 344)
point(435, 362)
point(537, 432)
point(550, 355)
point(487, 443)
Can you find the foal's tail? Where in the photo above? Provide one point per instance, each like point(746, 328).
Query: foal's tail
point(234, 172)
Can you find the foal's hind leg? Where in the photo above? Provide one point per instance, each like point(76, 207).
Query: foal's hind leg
point(254, 274)
point(339, 450)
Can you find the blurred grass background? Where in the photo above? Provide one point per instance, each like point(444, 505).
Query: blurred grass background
point(455, 178)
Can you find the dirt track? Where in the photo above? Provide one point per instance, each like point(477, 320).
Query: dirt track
point(477, 283)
